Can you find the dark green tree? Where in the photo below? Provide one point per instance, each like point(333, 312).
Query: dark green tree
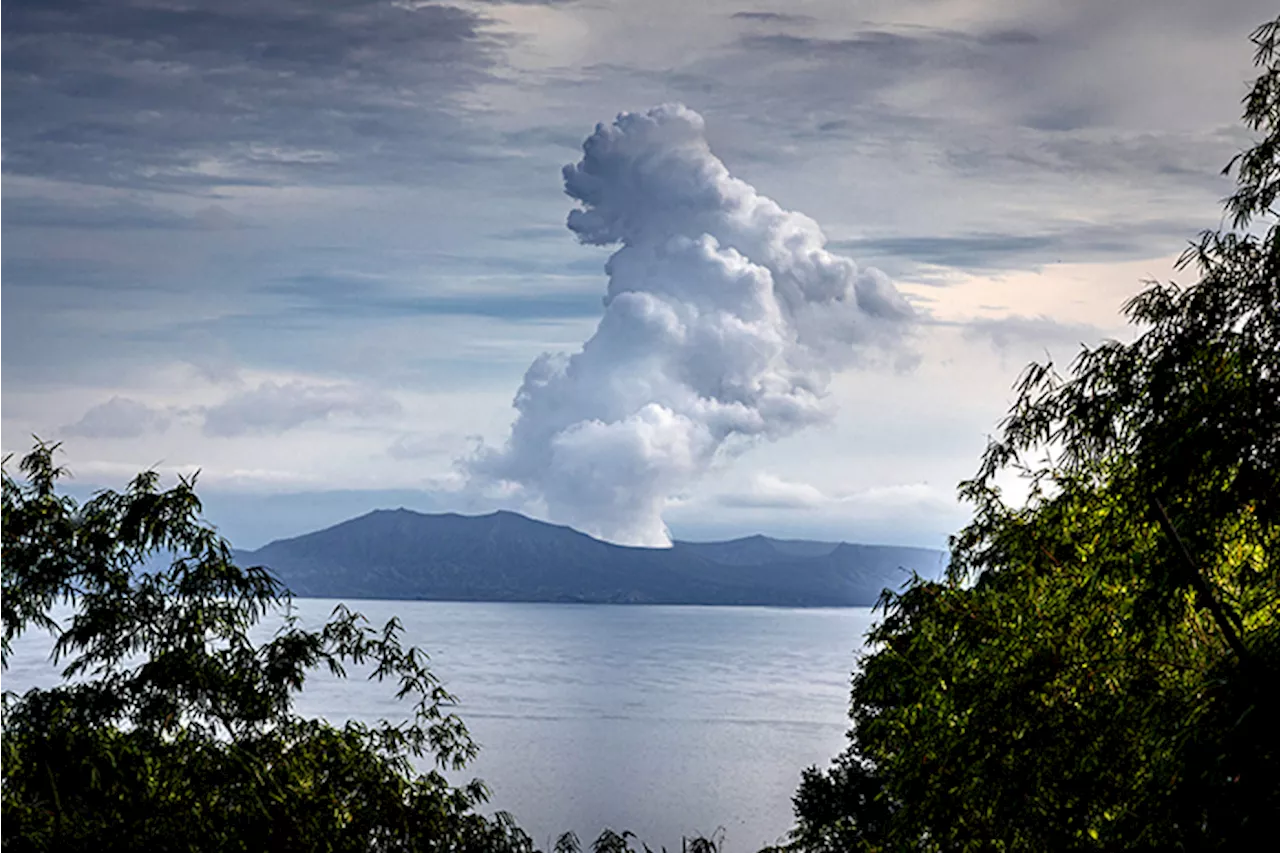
point(1101, 667)
point(176, 731)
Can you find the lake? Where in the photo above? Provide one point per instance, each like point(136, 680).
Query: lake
point(666, 721)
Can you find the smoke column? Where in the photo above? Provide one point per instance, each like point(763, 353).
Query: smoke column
point(724, 318)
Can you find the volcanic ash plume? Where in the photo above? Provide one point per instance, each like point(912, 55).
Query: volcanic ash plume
point(723, 319)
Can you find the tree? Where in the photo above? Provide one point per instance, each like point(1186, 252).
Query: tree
point(1099, 668)
point(175, 731)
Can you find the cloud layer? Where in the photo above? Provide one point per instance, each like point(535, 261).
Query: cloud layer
point(168, 95)
point(724, 317)
point(119, 417)
point(274, 408)
point(270, 408)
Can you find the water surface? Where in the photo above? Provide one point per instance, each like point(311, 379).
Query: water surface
point(667, 721)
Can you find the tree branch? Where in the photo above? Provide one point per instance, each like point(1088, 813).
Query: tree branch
point(1225, 624)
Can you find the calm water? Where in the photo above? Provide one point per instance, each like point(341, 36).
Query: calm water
point(663, 720)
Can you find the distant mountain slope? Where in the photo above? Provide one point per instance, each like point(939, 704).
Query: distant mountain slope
point(504, 556)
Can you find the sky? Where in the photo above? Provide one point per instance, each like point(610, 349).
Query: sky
point(318, 250)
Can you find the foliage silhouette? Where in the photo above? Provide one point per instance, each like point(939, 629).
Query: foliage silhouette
point(174, 730)
point(1098, 670)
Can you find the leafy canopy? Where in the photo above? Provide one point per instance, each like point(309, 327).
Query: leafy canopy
point(176, 731)
point(1098, 670)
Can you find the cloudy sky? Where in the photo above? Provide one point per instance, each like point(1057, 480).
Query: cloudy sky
point(313, 248)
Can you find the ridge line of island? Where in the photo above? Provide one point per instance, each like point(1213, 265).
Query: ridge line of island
point(508, 557)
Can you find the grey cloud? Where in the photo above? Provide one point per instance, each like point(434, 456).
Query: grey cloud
point(119, 417)
point(747, 500)
point(1089, 65)
point(274, 408)
point(183, 95)
point(51, 273)
point(152, 296)
point(35, 212)
point(101, 320)
point(1032, 95)
point(848, 86)
point(999, 251)
point(215, 218)
point(874, 58)
point(544, 136)
point(1040, 331)
point(771, 17)
point(348, 295)
point(543, 306)
point(409, 447)
point(779, 495)
point(907, 505)
point(934, 45)
point(531, 232)
point(43, 293)
point(1189, 158)
point(211, 359)
point(974, 252)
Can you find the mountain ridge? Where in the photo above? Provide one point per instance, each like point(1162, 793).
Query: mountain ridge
point(506, 556)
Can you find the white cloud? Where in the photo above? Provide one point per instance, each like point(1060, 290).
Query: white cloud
point(771, 492)
point(1017, 331)
point(416, 447)
point(274, 408)
point(768, 491)
point(724, 318)
point(119, 417)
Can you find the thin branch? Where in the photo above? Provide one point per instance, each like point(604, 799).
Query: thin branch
point(1202, 588)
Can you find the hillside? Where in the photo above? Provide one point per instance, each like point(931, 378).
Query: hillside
point(504, 556)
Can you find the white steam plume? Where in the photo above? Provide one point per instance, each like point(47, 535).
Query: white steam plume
point(724, 317)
